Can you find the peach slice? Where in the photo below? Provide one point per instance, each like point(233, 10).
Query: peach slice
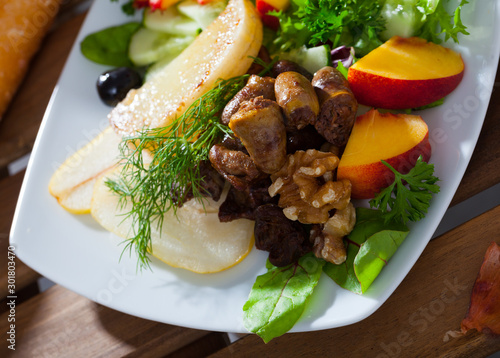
point(265, 6)
point(405, 73)
point(399, 139)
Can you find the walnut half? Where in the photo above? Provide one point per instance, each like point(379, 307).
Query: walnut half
point(306, 187)
point(327, 239)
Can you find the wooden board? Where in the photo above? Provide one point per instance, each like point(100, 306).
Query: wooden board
point(60, 323)
point(9, 190)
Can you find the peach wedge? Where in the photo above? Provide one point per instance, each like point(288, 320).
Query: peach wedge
point(405, 73)
point(399, 139)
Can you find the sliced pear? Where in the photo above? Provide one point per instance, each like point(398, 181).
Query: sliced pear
point(72, 183)
point(77, 201)
point(195, 239)
point(222, 50)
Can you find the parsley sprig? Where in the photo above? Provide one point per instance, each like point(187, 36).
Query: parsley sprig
point(409, 196)
point(312, 22)
point(361, 23)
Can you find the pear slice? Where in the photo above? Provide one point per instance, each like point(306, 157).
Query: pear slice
point(223, 50)
point(193, 239)
point(73, 182)
point(77, 201)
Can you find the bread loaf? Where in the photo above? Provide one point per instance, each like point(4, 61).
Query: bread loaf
point(23, 24)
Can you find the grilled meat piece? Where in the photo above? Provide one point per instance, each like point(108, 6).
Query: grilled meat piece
point(256, 86)
point(211, 185)
point(235, 166)
point(286, 240)
point(296, 96)
point(338, 106)
point(241, 204)
point(285, 66)
point(303, 139)
point(259, 125)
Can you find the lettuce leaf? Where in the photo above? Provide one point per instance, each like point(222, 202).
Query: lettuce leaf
point(278, 297)
point(110, 46)
point(342, 22)
point(442, 22)
point(369, 247)
point(363, 24)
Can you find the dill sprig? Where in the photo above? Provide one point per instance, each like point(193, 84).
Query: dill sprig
point(160, 165)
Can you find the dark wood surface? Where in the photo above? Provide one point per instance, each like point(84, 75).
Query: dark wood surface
point(414, 322)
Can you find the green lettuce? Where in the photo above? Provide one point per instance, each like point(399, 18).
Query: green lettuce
point(278, 297)
point(363, 24)
point(369, 247)
point(110, 46)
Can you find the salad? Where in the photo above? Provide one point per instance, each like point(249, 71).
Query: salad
point(278, 297)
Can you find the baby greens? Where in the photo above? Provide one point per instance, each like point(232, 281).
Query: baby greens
point(110, 46)
point(364, 24)
point(343, 22)
point(279, 296)
point(369, 246)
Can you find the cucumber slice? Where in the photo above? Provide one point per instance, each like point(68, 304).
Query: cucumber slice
point(312, 59)
point(204, 15)
point(170, 21)
point(148, 46)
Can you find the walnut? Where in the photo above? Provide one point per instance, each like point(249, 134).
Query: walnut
point(306, 187)
point(342, 222)
point(327, 239)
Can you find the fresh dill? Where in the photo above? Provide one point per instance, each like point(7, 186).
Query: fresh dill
point(162, 165)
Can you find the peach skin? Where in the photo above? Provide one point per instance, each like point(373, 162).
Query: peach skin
point(399, 139)
point(405, 73)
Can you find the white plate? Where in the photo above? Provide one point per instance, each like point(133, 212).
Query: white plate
point(78, 254)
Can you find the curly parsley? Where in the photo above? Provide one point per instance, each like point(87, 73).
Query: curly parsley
point(362, 23)
point(409, 196)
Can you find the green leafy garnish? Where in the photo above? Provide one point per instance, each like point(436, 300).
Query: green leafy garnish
point(278, 297)
point(342, 69)
point(369, 247)
point(441, 22)
point(154, 186)
point(110, 46)
point(437, 103)
point(363, 24)
point(346, 22)
point(409, 196)
point(128, 8)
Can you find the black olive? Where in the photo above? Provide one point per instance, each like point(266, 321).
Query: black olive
point(114, 85)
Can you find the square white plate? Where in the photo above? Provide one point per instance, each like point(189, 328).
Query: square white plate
point(78, 254)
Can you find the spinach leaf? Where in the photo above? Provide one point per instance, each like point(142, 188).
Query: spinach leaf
point(369, 246)
point(110, 46)
point(278, 297)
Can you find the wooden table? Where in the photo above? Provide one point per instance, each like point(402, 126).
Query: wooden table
point(419, 320)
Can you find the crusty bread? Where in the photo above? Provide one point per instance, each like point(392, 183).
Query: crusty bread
point(23, 24)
